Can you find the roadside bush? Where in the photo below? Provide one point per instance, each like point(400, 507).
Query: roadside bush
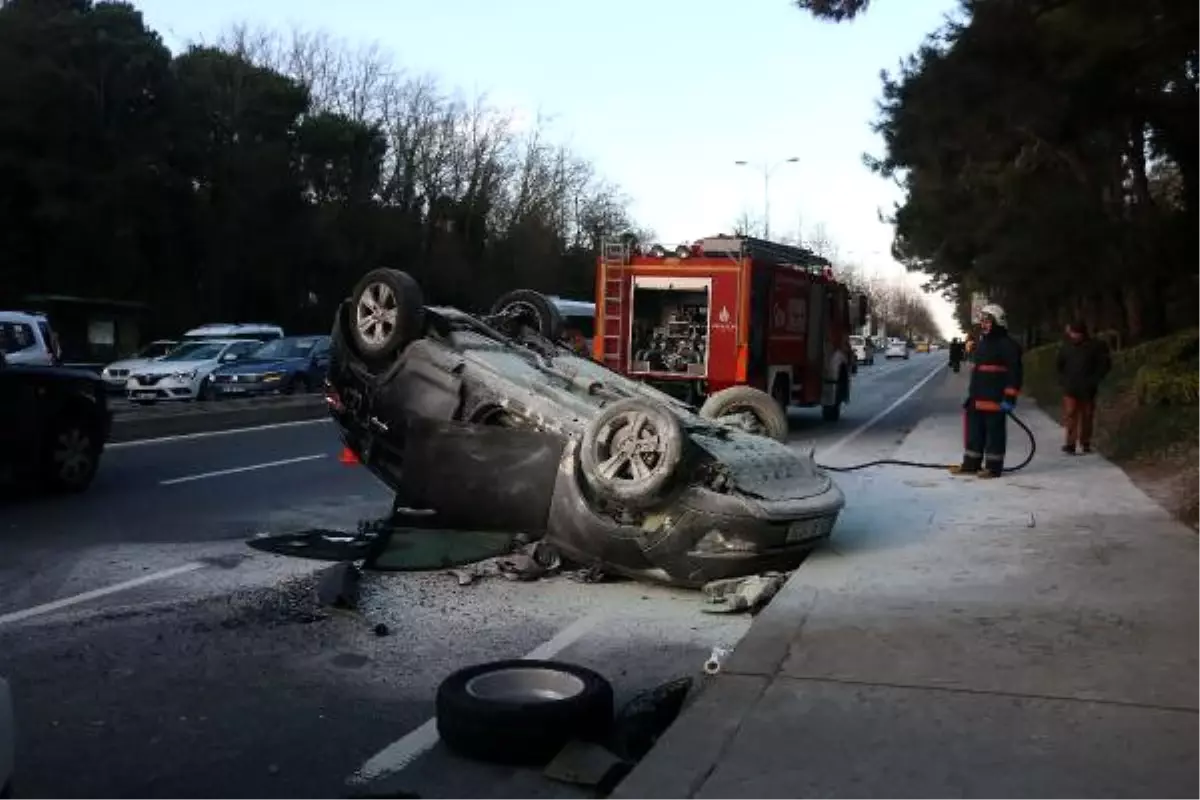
point(1166, 386)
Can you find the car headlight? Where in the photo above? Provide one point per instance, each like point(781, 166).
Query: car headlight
point(272, 376)
point(186, 376)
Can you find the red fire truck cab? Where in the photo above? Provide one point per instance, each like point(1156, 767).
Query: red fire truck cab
point(726, 311)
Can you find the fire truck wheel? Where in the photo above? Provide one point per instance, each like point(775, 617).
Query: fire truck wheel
point(388, 313)
point(534, 310)
point(631, 452)
point(834, 412)
point(735, 404)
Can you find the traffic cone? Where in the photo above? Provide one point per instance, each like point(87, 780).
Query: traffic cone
point(348, 456)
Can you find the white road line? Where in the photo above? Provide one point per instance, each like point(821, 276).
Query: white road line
point(66, 602)
point(901, 400)
point(235, 470)
point(185, 437)
point(402, 752)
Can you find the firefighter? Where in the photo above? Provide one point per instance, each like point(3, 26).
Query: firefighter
point(956, 353)
point(994, 388)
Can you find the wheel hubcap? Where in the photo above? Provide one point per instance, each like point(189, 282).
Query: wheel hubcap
point(630, 448)
point(524, 684)
point(73, 455)
point(376, 313)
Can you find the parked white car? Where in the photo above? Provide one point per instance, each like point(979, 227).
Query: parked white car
point(184, 373)
point(27, 338)
point(116, 374)
point(8, 740)
point(896, 348)
point(864, 349)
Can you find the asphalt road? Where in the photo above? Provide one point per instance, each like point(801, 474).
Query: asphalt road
point(153, 654)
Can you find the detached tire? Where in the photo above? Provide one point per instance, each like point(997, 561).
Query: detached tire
point(522, 712)
point(631, 452)
point(740, 399)
point(534, 310)
point(386, 313)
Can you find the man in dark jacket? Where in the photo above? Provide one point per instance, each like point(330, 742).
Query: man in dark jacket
point(1083, 362)
point(956, 353)
point(996, 376)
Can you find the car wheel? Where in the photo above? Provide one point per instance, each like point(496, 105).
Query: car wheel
point(631, 451)
point(72, 456)
point(833, 413)
point(522, 711)
point(388, 312)
point(206, 391)
point(533, 310)
point(732, 404)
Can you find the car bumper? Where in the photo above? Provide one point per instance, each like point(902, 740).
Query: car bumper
point(700, 537)
point(247, 389)
point(164, 390)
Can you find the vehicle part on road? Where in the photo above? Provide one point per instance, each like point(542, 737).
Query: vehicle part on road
point(527, 562)
point(337, 586)
point(588, 764)
point(748, 409)
point(495, 427)
point(522, 711)
point(388, 313)
point(734, 595)
point(716, 659)
point(899, 462)
point(631, 452)
point(533, 310)
point(641, 721)
point(390, 550)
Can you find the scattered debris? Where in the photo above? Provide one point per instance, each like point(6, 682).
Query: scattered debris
point(641, 721)
point(593, 573)
point(381, 629)
point(338, 586)
point(586, 764)
point(716, 660)
point(529, 561)
point(734, 595)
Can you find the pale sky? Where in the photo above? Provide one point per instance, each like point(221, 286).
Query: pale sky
point(663, 96)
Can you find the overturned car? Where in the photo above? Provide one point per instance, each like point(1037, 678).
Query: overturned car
point(490, 423)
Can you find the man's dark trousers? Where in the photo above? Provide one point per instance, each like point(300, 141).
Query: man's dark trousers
point(985, 439)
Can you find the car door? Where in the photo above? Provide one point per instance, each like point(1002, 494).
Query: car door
point(20, 420)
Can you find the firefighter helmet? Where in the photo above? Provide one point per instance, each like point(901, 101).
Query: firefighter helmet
point(996, 313)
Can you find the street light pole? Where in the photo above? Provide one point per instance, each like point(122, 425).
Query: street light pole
point(767, 170)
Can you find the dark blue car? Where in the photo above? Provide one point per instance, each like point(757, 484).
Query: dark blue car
point(286, 366)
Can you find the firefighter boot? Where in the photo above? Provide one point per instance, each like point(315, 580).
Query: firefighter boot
point(969, 466)
point(991, 469)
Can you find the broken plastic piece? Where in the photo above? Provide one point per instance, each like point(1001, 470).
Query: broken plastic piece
point(734, 595)
point(348, 456)
point(715, 659)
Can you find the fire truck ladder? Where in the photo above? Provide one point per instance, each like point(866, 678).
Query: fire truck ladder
point(615, 257)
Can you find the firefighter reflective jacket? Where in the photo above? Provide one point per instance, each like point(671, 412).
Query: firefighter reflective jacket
point(996, 374)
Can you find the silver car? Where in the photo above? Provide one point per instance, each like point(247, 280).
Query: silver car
point(184, 374)
point(492, 423)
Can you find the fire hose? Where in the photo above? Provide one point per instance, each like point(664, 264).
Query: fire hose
point(900, 462)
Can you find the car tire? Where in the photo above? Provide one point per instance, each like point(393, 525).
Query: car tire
point(607, 456)
point(206, 392)
point(493, 712)
point(833, 413)
point(71, 456)
point(387, 311)
point(766, 409)
point(534, 310)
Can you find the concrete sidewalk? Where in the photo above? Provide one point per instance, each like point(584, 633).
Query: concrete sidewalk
point(1034, 636)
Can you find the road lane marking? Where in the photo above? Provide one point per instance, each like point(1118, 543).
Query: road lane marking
point(66, 602)
point(402, 752)
point(185, 437)
point(901, 400)
point(283, 462)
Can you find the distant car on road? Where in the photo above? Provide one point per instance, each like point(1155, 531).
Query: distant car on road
point(8, 740)
point(288, 365)
point(54, 422)
point(27, 338)
point(896, 348)
point(116, 374)
point(922, 347)
point(184, 373)
point(864, 349)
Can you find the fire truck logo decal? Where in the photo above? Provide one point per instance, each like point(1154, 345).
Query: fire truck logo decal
point(723, 317)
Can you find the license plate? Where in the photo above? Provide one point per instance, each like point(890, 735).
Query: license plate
point(145, 395)
point(233, 389)
point(805, 529)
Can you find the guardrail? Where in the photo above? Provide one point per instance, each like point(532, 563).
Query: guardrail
point(133, 422)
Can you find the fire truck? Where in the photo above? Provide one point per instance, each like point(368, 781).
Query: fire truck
point(727, 311)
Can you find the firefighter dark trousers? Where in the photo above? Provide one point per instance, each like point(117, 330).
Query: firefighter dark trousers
point(985, 436)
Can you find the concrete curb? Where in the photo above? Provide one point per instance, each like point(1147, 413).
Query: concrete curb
point(688, 752)
point(153, 422)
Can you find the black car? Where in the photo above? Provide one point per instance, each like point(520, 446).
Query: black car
point(54, 422)
point(493, 424)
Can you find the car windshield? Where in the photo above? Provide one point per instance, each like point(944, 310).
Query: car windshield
point(199, 351)
point(155, 349)
point(286, 348)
